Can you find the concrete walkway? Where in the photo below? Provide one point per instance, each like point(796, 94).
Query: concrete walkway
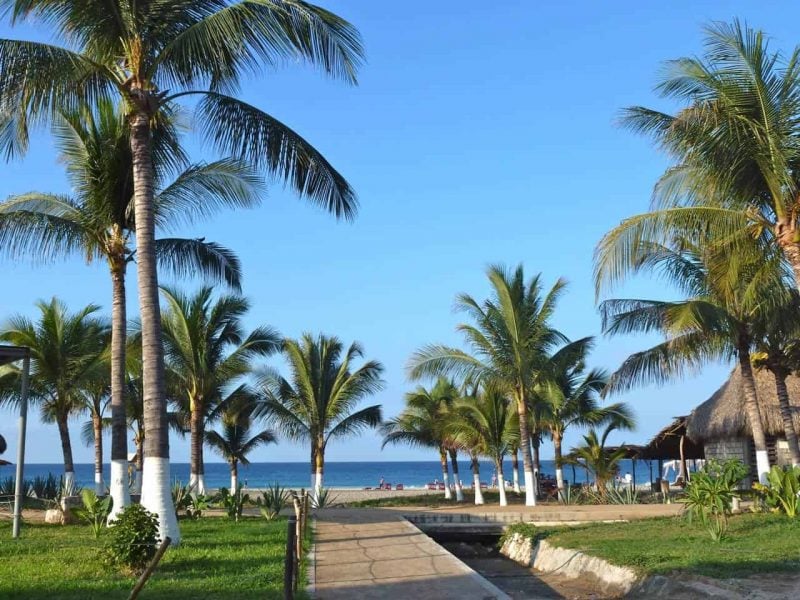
point(374, 553)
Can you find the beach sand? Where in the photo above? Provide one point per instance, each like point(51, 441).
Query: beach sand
point(348, 495)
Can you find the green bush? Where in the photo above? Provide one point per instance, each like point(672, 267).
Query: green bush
point(272, 501)
point(233, 503)
point(181, 496)
point(94, 511)
point(134, 538)
point(710, 493)
point(783, 492)
point(196, 504)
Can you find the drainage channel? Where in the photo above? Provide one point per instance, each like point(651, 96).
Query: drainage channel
point(478, 547)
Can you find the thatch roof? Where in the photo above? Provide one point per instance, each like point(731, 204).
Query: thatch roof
point(724, 416)
point(666, 444)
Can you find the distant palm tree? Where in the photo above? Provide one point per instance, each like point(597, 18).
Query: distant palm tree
point(96, 397)
point(151, 55)
point(510, 337)
point(207, 350)
point(98, 223)
point(601, 461)
point(317, 403)
point(424, 422)
point(66, 348)
point(236, 439)
point(485, 424)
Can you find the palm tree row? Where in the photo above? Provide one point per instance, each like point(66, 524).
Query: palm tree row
point(723, 226)
point(520, 381)
point(145, 59)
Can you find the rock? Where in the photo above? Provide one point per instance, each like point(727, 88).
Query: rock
point(54, 516)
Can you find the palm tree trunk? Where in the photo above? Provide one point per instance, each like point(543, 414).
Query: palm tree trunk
point(120, 492)
point(448, 495)
point(156, 493)
point(525, 446)
point(559, 464)
point(234, 475)
point(785, 235)
point(196, 477)
point(456, 479)
point(515, 468)
point(537, 463)
point(501, 481)
point(319, 470)
point(66, 450)
point(753, 414)
point(476, 480)
point(97, 428)
point(786, 415)
point(313, 465)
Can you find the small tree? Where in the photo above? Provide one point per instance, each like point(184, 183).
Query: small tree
point(710, 493)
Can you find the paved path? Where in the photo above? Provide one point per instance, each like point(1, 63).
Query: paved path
point(373, 553)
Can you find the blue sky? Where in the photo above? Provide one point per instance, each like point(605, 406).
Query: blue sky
point(480, 133)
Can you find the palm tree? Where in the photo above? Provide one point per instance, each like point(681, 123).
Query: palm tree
point(317, 404)
point(66, 349)
point(734, 146)
point(510, 338)
point(151, 55)
point(424, 423)
point(716, 321)
point(602, 462)
point(236, 440)
point(207, 350)
point(486, 425)
point(569, 398)
point(98, 223)
point(96, 397)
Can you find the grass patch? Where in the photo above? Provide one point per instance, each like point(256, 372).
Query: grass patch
point(756, 543)
point(217, 559)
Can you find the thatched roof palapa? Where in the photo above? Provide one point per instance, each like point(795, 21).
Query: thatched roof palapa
point(666, 444)
point(724, 416)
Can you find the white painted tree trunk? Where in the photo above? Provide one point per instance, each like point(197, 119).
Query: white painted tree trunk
point(448, 494)
point(515, 479)
point(762, 465)
point(530, 490)
point(313, 480)
point(317, 484)
point(502, 484)
point(99, 484)
point(459, 492)
point(234, 481)
point(137, 481)
point(476, 480)
point(69, 481)
point(197, 483)
point(120, 494)
point(560, 482)
point(157, 497)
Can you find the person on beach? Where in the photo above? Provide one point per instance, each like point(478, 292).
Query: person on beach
point(494, 480)
point(380, 483)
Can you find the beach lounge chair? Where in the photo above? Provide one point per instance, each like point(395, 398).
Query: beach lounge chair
point(399, 487)
point(387, 486)
point(431, 486)
point(484, 486)
point(440, 487)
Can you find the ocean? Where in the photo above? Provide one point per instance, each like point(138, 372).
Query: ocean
point(354, 475)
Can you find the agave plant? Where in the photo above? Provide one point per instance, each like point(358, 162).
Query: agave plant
point(323, 498)
point(272, 501)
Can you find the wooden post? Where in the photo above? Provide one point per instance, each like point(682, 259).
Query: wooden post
point(298, 538)
point(150, 568)
point(288, 563)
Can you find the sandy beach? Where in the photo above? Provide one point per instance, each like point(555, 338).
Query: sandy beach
point(348, 495)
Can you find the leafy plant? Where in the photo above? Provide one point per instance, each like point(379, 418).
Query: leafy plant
point(710, 493)
point(622, 495)
point(7, 486)
point(94, 511)
point(233, 503)
point(272, 501)
point(196, 505)
point(783, 492)
point(134, 537)
point(45, 488)
point(323, 498)
point(181, 496)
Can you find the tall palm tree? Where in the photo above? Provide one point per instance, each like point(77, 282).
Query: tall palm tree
point(207, 350)
point(716, 320)
point(486, 425)
point(734, 145)
point(96, 398)
point(236, 439)
point(600, 460)
point(318, 402)
point(424, 423)
point(66, 349)
point(510, 338)
point(152, 55)
point(98, 223)
point(569, 397)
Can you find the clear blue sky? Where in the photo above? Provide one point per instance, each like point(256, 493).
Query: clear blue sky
point(481, 132)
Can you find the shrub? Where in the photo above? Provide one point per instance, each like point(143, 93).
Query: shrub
point(233, 503)
point(710, 493)
point(7, 486)
point(94, 511)
point(134, 537)
point(181, 496)
point(783, 492)
point(196, 505)
point(45, 488)
point(272, 501)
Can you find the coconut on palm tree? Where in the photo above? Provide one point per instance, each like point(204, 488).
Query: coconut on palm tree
point(236, 438)
point(151, 56)
point(424, 423)
point(66, 349)
point(98, 223)
point(318, 403)
point(485, 424)
point(510, 338)
point(207, 351)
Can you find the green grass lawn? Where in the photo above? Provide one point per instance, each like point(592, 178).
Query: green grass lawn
point(217, 559)
point(756, 543)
